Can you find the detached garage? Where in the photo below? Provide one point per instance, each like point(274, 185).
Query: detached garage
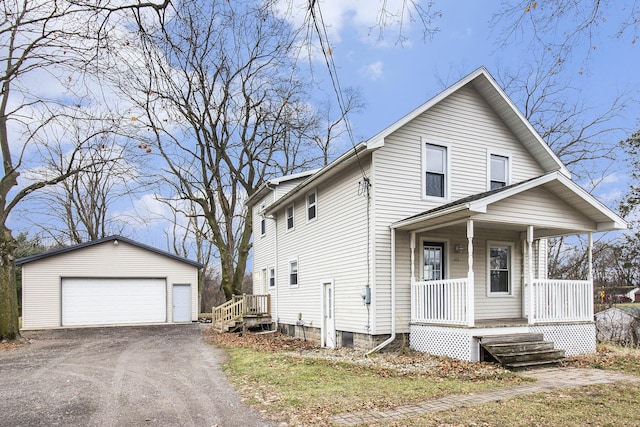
point(111, 281)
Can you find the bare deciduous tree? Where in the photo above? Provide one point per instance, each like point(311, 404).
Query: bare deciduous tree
point(41, 43)
point(221, 103)
point(564, 26)
point(79, 209)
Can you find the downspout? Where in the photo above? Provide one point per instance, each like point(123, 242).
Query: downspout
point(393, 297)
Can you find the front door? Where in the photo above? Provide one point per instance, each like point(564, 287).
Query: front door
point(328, 325)
point(433, 261)
point(181, 303)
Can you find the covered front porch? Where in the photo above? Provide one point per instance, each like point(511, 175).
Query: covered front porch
point(478, 267)
point(453, 301)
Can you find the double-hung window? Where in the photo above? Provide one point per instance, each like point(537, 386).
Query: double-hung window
point(435, 170)
point(312, 202)
point(272, 277)
point(290, 217)
point(293, 273)
point(499, 171)
point(499, 269)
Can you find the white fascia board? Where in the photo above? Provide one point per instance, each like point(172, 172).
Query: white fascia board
point(616, 222)
point(261, 191)
point(421, 218)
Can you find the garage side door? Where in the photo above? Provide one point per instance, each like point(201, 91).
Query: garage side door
point(113, 301)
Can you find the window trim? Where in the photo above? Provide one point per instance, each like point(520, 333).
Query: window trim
point(445, 252)
point(290, 272)
point(447, 170)
point(499, 153)
point(315, 205)
point(511, 248)
point(293, 217)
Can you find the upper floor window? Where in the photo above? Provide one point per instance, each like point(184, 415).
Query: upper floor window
point(263, 221)
point(499, 171)
point(312, 211)
point(290, 217)
point(435, 170)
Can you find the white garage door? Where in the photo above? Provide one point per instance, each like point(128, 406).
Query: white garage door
point(113, 301)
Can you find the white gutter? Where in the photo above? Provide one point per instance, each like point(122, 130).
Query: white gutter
point(393, 297)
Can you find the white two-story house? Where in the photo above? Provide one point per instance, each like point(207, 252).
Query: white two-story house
point(434, 229)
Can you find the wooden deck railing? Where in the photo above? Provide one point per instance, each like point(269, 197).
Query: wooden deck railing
point(440, 301)
point(562, 300)
point(240, 306)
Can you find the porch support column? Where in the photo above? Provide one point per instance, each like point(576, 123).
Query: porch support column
point(590, 274)
point(530, 273)
point(470, 276)
point(413, 257)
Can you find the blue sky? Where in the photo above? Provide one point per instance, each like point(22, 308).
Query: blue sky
point(395, 78)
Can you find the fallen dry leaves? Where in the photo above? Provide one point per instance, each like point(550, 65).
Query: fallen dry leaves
point(609, 357)
point(386, 364)
point(262, 342)
point(8, 345)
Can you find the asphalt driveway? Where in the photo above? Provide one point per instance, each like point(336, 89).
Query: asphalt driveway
point(125, 376)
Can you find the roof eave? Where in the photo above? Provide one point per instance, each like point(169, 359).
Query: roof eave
point(327, 170)
point(60, 251)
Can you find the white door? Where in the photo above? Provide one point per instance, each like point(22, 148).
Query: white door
point(181, 303)
point(91, 301)
point(329, 324)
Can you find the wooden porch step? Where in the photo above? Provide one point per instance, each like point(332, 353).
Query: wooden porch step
point(519, 347)
point(511, 338)
point(519, 351)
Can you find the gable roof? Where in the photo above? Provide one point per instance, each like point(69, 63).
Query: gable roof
point(326, 172)
point(556, 182)
point(493, 94)
point(488, 88)
point(54, 252)
point(267, 185)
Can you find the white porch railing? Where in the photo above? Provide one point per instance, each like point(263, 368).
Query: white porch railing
point(562, 300)
point(440, 301)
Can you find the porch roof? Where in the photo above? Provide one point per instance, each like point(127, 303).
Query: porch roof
point(475, 206)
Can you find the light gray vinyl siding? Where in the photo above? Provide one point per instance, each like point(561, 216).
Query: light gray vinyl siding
point(464, 123)
point(41, 291)
point(332, 247)
point(264, 247)
point(286, 186)
point(537, 207)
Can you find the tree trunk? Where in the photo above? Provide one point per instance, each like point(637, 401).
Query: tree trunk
point(9, 328)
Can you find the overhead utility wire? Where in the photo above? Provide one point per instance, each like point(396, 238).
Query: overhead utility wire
point(317, 21)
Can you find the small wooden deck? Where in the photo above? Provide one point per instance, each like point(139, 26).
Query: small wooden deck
point(242, 311)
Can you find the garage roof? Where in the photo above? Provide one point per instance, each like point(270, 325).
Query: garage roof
point(114, 238)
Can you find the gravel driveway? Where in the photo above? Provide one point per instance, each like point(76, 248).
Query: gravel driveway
point(125, 376)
